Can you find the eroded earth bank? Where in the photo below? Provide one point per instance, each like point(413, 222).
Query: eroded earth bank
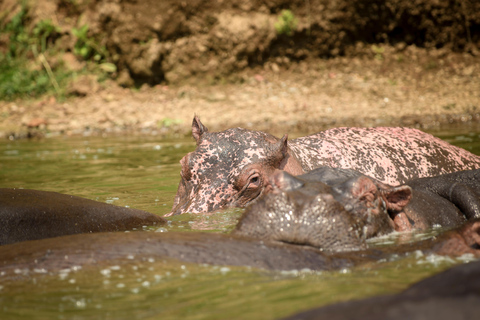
point(340, 63)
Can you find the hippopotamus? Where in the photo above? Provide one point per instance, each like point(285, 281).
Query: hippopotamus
point(33, 214)
point(348, 207)
point(299, 224)
point(230, 168)
point(99, 249)
point(446, 200)
point(451, 294)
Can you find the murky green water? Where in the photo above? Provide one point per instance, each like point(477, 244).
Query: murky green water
point(143, 172)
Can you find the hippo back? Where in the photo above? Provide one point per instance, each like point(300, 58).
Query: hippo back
point(390, 155)
point(32, 214)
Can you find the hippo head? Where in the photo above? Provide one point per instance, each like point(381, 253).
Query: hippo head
point(229, 168)
point(308, 212)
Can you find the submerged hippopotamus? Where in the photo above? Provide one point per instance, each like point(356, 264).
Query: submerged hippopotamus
point(99, 249)
point(32, 214)
point(230, 168)
point(452, 294)
point(348, 207)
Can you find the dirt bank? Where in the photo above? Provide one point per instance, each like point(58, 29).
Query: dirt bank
point(420, 90)
point(365, 63)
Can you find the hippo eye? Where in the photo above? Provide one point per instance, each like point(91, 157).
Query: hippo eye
point(254, 180)
point(249, 186)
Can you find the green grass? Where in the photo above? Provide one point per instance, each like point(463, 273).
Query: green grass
point(24, 69)
point(286, 23)
point(17, 80)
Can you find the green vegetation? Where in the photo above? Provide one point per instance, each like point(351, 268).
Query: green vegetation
point(286, 23)
point(449, 106)
point(431, 65)
point(168, 122)
point(25, 71)
point(378, 51)
point(18, 81)
point(44, 30)
point(19, 77)
point(87, 48)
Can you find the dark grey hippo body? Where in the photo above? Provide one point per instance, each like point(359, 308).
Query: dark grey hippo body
point(194, 247)
point(349, 207)
point(446, 200)
point(230, 168)
point(99, 249)
point(452, 294)
point(32, 214)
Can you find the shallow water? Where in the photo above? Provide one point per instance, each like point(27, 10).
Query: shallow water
point(143, 172)
point(138, 172)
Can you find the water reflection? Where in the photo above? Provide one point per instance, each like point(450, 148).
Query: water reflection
point(221, 221)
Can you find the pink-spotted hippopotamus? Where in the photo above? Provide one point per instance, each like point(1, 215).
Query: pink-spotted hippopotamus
point(348, 207)
point(230, 168)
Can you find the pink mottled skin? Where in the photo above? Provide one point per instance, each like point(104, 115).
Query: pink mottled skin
point(231, 168)
point(390, 155)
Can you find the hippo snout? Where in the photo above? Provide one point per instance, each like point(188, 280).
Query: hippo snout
point(179, 208)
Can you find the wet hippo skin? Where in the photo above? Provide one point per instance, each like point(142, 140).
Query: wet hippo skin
point(452, 294)
point(215, 249)
point(32, 214)
point(97, 249)
point(347, 207)
point(446, 200)
point(231, 168)
point(460, 188)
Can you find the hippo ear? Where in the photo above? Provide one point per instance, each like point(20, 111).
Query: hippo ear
point(285, 181)
point(278, 152)
point(396, 198)
point(198, 128)
point(363, 189)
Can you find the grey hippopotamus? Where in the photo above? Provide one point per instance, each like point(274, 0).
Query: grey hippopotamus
point(98, 249)
point(350, 207)
point(446, 200)
point(230, 168)
point(32, 214)
point(452, 294)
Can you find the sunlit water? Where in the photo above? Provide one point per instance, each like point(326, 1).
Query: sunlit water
point(143, 173)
